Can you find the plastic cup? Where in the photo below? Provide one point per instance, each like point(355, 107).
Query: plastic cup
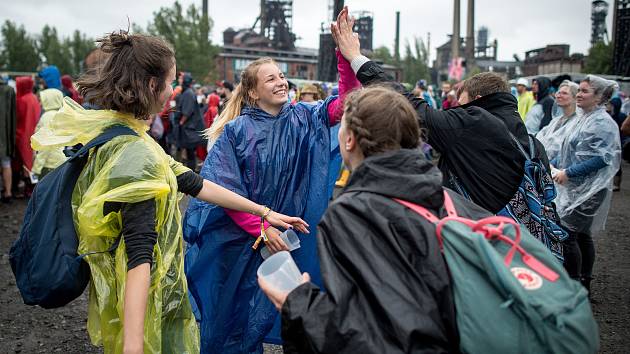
point(280, 271)
point(289, 237)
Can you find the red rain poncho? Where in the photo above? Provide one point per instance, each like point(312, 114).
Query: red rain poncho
point(28, 112)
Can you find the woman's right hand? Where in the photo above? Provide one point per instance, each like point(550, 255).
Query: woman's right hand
point(275, 243)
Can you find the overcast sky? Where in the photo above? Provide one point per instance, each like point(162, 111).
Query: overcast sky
point(518, 25)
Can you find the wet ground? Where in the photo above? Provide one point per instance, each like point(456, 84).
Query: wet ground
point(27, 329)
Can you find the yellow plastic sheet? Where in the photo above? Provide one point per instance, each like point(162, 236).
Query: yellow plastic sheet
point(127, 169)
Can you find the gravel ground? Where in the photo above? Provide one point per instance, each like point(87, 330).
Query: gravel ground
point(27, 329)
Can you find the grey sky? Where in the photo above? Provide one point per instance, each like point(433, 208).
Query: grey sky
point(518, 25)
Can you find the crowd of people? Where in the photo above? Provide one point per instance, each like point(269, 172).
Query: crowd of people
point(375, 279)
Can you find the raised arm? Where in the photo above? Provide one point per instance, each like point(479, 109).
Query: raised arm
point(443, 127)
point(347, 82)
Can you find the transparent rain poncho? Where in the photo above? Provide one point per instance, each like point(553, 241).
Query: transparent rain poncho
point(583, 202)
point(552, 135)
point(128, 169)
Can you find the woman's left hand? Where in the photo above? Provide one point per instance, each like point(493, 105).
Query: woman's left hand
point(278, 297)
point(287, 222)
point(561, 177)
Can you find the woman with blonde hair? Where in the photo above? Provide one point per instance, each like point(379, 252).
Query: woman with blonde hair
point(275, 153)
point(127, 195)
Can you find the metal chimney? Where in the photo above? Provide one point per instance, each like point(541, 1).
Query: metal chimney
point(397, 40)
point(455, 37)
point(470, 31)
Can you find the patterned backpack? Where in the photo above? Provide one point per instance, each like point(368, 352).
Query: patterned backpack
point(532, 205)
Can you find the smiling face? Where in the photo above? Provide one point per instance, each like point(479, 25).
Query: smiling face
point(271, 88)
point(586, 98)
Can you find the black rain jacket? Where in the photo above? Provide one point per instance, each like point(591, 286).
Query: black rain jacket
point(473, 140)
point(387, 285)
point(543, 98)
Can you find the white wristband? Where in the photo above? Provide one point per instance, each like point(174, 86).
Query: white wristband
point(358, 62)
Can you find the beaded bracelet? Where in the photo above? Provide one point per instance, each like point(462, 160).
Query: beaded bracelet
point(263, 234)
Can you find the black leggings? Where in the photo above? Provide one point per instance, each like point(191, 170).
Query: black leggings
point(579, 255)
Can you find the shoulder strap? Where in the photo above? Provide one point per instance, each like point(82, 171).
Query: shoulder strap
point(520, 147)
point(532, 147)
point(422, 211)
point(106, 136)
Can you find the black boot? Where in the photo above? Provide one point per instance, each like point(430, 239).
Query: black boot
point(586, 283)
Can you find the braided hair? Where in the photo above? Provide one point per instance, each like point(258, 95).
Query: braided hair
point(382, 120)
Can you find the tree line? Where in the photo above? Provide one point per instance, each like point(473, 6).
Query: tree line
point(187, 30)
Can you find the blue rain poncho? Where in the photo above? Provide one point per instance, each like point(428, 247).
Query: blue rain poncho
point(281, 162)
point(583, 201)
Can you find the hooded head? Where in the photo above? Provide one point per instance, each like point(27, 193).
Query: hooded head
point(51, 77)
point(187, 81)
point(544, 84)
point(214, 100)
point(66, 81)
point(24, 85)
point(52, 99)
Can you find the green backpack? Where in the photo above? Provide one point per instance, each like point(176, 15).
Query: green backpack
point(511, 294)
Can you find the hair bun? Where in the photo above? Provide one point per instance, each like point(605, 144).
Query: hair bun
point(116, 40)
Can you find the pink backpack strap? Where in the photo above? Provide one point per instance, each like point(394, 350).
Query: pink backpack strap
point(448, 205)
point(419, 210)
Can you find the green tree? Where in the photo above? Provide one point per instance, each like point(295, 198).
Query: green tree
point(383, 54)
point(79, 46)
point(600, 58)
point(189, 34)
point(414, 63)
point(18, 50)
point(55, 51)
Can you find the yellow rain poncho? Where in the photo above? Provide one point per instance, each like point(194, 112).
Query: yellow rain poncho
point(127, 169)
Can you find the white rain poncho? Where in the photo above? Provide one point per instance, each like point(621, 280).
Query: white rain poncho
point(583, 202)
point(533, 119)
point(552, 135)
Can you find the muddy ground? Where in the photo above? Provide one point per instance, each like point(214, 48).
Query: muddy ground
point(26, 329)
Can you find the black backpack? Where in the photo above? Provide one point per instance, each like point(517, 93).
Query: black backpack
point(48, 270)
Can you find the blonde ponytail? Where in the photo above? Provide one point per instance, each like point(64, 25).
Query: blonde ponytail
point(230, 112)
point(240, 98)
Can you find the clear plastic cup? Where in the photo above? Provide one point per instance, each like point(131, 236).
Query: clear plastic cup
point(280, 271)
point(289, 237)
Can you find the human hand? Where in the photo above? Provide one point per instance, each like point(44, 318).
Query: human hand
point(561, 177)
point(346, 40)
point(182, 121)
point(287, 222)
point(278, 297)
point(275, 243)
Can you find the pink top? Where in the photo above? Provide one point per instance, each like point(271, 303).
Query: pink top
point(347, 82)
